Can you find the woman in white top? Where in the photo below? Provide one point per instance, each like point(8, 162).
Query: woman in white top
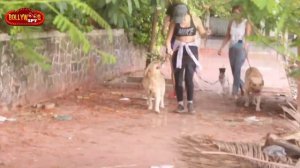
point(237, 30)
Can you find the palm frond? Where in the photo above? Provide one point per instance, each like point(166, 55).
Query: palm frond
point(29, 54)
point(26, 50)
point(65, 25)
point(106, 57)
point(207, 153)
point(84, 8)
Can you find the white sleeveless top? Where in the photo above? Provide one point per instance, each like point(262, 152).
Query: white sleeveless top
point(237, 31)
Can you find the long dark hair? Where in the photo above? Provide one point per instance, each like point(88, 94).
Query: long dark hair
point(237, 7)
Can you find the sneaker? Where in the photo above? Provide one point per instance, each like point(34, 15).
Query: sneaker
point(180, 108)
point(235, 97)
point(242, 92)
point(190, 108)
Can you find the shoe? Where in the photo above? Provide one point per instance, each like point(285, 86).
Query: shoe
point(242, 92)
point(235, 98)
point(191, 108)
point(180, 108)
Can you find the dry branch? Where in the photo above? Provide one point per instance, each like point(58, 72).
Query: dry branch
point(293, 113)
point(248, 158)
point(207, 153)
point(291, 149)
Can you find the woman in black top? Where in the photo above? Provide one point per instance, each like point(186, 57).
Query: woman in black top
point(167, 21)
point(184, 52)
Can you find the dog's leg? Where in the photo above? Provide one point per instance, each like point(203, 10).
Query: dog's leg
point(254, 99)
point(223, 89)
point(247, 99)
point(157, 102)
point(258, 99)
point(147, 98)
point(150, 105)
point(228, 88)
point(162, 101)
point(162, 93)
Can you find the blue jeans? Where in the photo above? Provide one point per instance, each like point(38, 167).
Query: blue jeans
point(237, 56)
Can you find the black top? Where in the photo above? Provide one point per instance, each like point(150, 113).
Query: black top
point(185, 31)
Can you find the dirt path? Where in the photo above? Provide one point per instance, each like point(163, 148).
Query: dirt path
point(105, 131)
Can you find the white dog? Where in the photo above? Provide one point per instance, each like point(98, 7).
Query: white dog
point(254, 83)
point(224, 82)
point(154, 84)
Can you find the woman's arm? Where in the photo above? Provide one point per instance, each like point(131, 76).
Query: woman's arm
point(248, 29)
point(169, 37)
point(248, 32)
point(226, 39)
point(166, 25)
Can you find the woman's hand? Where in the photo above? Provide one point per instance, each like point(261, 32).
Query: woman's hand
point(208, 32)
point(169, 51)
point(246, 46)
point(220, 52)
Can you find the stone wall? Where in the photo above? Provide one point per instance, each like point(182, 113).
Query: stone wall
point(23, 83)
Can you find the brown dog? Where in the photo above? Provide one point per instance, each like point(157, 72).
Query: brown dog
point(154, 84)
point(254, 84)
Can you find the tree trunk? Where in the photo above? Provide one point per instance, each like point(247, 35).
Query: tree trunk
point(153, 33)
point(286, 42)
point(207, 26)
point(298, 83)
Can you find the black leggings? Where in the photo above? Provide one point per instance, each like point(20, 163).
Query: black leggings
point(187, 71)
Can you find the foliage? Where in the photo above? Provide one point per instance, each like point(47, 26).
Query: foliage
point(117, 13)
point(140, 25)
point(107, 57)
point(216, 8)
point(64, 16)
point(76, 17)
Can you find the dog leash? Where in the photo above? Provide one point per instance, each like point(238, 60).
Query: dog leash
point(247, 52)
point(163, 60)
point(206, 81)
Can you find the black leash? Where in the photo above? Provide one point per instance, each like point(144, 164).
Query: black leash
point(164, 59)
point(206, 81)
point(247, 52)
point(213, 83)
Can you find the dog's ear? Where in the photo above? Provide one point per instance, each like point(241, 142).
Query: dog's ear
point(147, 71)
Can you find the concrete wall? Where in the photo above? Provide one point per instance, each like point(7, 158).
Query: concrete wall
point(25, 83)
point(218, 26)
